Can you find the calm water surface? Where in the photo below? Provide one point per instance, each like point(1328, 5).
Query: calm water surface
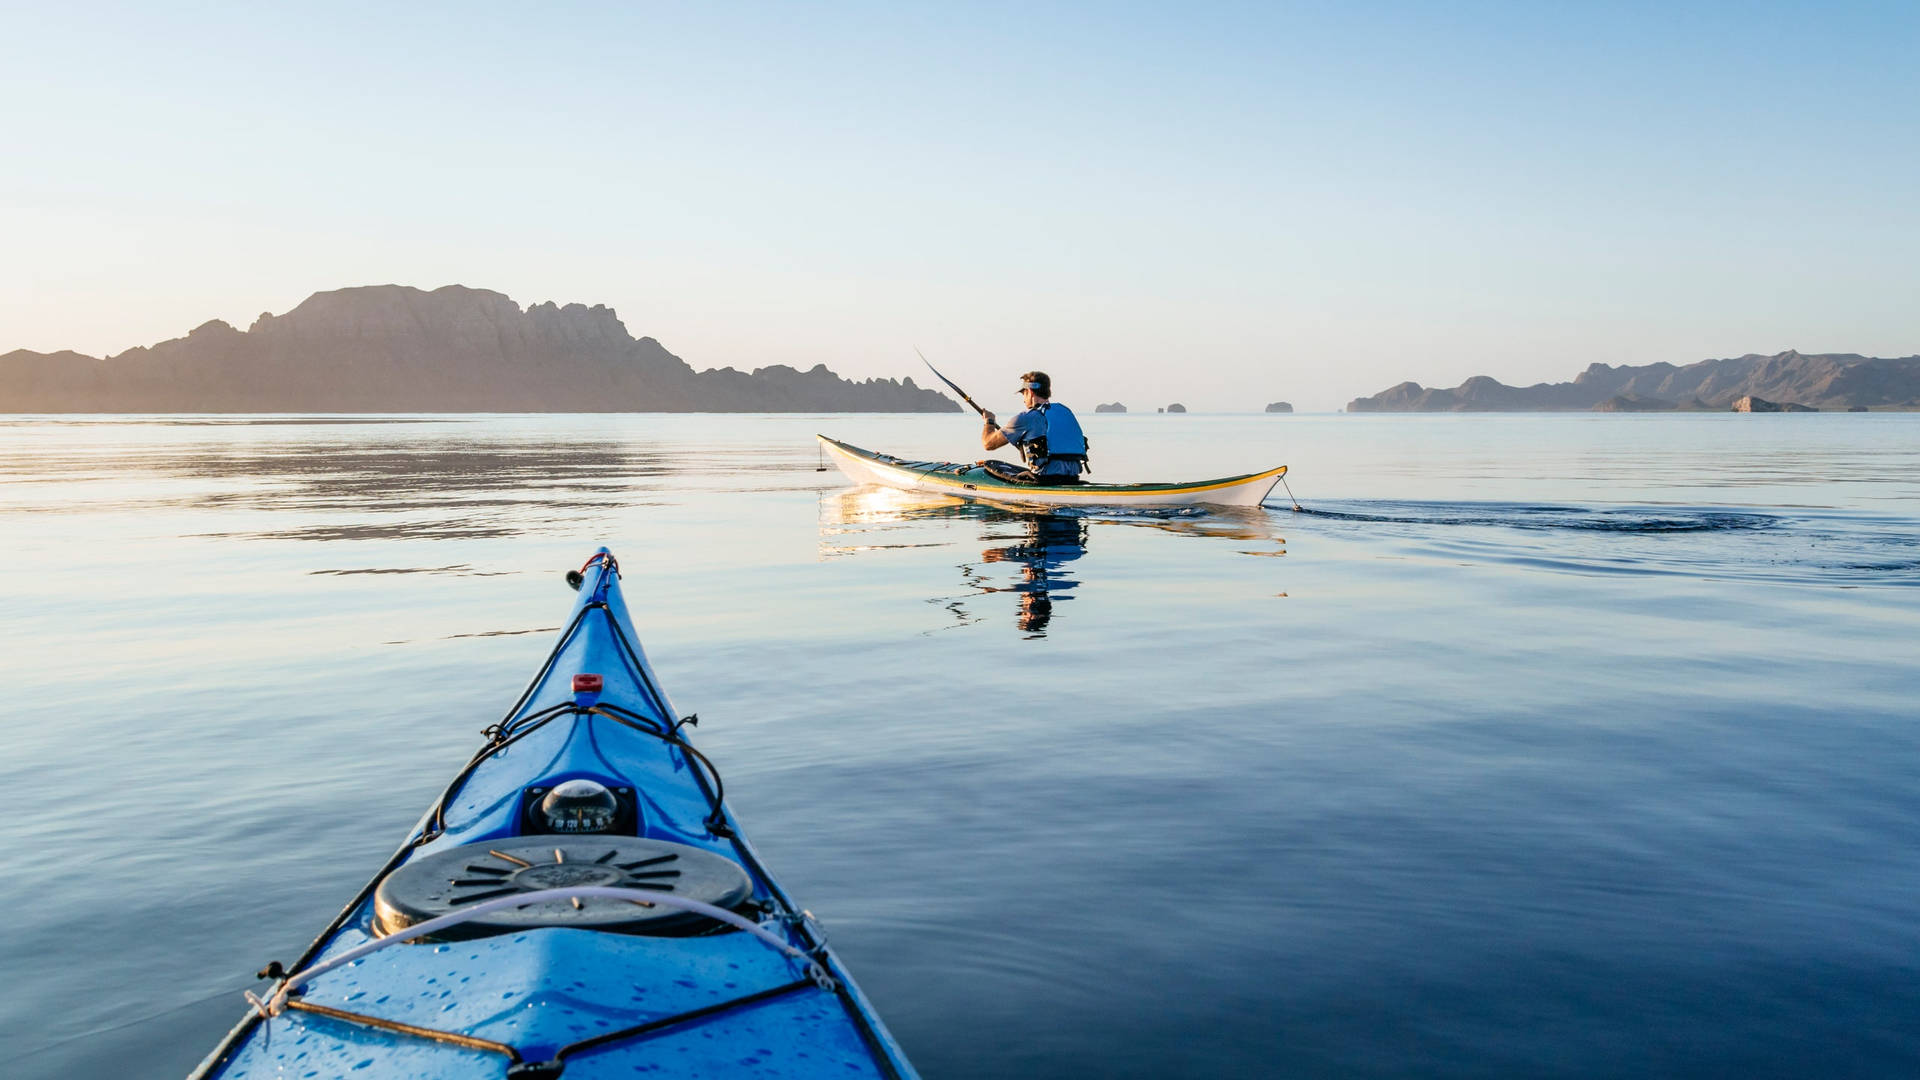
point(1538, 745)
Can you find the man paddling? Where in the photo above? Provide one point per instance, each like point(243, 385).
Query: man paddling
point(1046, 434)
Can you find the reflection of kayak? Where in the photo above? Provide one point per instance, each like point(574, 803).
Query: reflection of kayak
point(974, 482)
point(586, 908)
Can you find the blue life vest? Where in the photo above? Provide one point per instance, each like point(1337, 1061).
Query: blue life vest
point(1062, 441)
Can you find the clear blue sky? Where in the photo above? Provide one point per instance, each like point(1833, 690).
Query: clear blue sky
point(1218, 204)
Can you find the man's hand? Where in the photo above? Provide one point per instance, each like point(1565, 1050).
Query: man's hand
point(990, 421)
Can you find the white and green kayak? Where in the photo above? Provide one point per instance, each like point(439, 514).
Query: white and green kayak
point(969, 481)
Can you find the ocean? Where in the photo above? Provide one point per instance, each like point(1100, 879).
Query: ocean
point(1532, 745)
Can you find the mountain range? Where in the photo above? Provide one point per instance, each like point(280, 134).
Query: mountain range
point(393, 348)
point(1826, 381)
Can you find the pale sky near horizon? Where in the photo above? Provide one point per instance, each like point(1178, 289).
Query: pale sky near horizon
point(1217, 204)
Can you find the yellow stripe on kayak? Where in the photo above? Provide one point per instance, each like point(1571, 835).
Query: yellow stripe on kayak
point(1063, 489)
point(1092, 490)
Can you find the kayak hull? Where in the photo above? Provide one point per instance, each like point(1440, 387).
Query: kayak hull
point(969, 481)
point(700, 1002)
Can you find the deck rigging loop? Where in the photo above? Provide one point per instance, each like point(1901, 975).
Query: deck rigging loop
point(716, 821)
point(807, 925)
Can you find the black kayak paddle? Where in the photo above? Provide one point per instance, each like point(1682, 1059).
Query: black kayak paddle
point(949, 382)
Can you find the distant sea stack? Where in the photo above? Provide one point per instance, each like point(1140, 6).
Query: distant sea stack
point(1835, 381)
point(393, 348)
point(1113, 407)
point(1279, 406)
point(1175, 407)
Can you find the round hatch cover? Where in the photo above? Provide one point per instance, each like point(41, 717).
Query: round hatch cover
point(446, 881)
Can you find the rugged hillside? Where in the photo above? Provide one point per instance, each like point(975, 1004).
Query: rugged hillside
point(391, 348)
point(1828, 381)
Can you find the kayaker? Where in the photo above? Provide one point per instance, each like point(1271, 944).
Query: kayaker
point(1047, 435)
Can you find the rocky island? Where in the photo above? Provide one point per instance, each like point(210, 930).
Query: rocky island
point(392, 348)
point(1794, 381)
point(1750, 403)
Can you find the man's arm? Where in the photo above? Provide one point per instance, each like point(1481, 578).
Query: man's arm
point(991, 437)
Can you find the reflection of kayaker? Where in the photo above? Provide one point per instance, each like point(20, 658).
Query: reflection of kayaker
point(1051, 543)
point(1031, 553)
point(1047, 435)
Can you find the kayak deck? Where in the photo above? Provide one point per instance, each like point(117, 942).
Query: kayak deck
point(971, 481)
point(547, 988)
point(593, 1002)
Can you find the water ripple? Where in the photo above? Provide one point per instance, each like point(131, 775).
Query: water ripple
point(1823, 547)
